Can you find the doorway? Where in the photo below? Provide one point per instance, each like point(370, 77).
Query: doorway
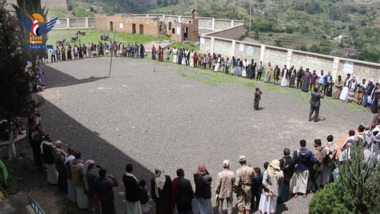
point(111, 26)
point(170, 25)
point(185, 33)
point(141, 29)
point(134, 28)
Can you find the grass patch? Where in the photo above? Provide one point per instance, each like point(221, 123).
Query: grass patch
point(83, 13)
point(57, 13)
point(211, 78)
point(187, 45)
point(356, 107)
point(94, 36)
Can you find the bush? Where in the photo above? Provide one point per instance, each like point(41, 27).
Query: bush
point(315, 48)
point(278, 42)
point(328, 200)
point(303, 47)
point(289, 29)
point(357, 190)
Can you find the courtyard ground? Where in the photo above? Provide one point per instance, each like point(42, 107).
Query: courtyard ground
point(163, 115)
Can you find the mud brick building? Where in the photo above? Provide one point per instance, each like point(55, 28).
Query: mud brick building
point(127, 24)
point(185, 31)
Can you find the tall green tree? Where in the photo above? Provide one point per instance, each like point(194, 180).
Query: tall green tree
point(30, 7)
point(14, 82)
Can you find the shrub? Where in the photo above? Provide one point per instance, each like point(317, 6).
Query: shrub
point(357, 190)
point(289, 29)
point(328, 200)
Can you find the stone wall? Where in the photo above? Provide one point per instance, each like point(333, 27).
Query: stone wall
point(312, 61)
point(220, 45)
point(240, 51)
point(362, 70)
point(205, 44)
point(125, 23)
point(275, 56)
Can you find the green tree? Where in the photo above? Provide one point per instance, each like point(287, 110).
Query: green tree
point(335, 13)
point(30, 7)
point(14, 81)
point(315, 48)
point(256, 34)
point(289, 29)
point(303, 47)
point(313, 7)
point(278, 42)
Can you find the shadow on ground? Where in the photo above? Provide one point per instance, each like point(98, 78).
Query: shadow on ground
point(62, 127)
point(59, 79)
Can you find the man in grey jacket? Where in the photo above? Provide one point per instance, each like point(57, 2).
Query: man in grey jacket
point(315, 103)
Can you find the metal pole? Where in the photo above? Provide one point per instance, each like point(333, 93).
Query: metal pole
point(158, 22)
point(250, 16)
point(109, 73)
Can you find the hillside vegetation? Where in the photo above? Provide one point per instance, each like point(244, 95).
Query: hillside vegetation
point(309, 25)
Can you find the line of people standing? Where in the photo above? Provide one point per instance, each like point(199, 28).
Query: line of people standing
point(304, 80)
point(100, 49)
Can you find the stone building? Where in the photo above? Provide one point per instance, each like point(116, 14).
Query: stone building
point(350, 52)
point(185, 31)
point(127, 24)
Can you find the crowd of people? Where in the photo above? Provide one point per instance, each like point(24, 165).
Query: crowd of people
point(367, 92)
point(90, 186)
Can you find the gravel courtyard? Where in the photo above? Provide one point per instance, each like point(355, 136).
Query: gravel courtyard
point(154, 115)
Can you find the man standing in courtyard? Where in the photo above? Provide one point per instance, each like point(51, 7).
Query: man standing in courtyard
point(315, 177)
point(260, 70)
point(132, 191)
point(304, 158)
point(224, 187)
point(287, 164)
point(300, 73)
point(315, 103)
point(103, 187)
point(243, 182)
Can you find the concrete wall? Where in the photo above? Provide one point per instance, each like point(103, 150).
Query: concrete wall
point(204, 22)
point(102, 22)
point(74, 23)
point(229, 32)
point(281, 56)
point(243, 54)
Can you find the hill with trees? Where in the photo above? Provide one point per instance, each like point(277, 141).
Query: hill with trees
point(321, 26)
